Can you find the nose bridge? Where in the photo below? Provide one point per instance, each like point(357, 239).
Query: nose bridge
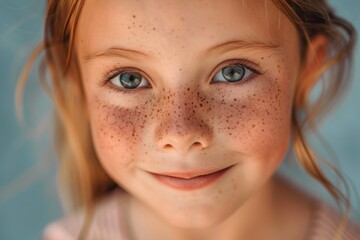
point(181, 123)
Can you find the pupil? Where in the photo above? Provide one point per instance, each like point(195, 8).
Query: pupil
point(130, 80)
point(233, 73)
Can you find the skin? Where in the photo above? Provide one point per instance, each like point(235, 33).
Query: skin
point(182, 120)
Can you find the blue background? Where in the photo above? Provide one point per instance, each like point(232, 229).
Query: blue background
point(28, 198)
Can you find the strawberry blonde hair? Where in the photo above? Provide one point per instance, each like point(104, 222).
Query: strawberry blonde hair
point(82, 180)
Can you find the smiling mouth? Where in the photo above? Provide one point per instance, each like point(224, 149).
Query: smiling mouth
point(189, 181)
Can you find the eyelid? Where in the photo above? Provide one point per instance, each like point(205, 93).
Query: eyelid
point(233, 62)
point(117, 71)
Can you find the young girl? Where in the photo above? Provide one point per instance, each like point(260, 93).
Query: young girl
point(173, 116)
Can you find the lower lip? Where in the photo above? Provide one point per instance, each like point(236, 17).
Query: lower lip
point(190, 184)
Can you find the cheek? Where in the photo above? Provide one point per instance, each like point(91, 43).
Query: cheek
point(259, 122)
point(116, 133)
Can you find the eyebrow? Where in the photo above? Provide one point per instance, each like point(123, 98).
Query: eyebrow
point(239, 44)
point(132, 54)
point(117, 51)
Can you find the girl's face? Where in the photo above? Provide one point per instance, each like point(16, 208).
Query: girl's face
point(179, 89)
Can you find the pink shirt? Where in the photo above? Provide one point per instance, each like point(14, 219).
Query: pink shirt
point(107, 223)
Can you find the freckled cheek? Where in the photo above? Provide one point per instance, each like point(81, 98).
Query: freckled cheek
point(259, 124)
point(116, 134)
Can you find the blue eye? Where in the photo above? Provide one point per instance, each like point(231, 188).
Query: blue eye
point(234, 73)
point(128, 80)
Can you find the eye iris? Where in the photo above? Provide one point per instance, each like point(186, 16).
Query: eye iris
point(130, 80)
point(233, 73)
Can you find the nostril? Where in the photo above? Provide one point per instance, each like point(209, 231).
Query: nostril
point(170, 146)
point(167, 146)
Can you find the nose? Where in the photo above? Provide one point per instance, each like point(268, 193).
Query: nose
point(181, 126)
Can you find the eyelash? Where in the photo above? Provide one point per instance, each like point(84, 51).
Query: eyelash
point(233, 62)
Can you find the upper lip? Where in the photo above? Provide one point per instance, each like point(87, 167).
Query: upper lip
point(190, 174)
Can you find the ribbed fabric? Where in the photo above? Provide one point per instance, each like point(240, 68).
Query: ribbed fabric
point(108, 225)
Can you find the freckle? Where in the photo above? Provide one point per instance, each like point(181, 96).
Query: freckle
point(262, 57)
point(128, 27)
point(134, 16)
point(231, 105)
point(180, 69)
point(153, 28)
point(243, 106)
point(140, 25)
point(235, 99)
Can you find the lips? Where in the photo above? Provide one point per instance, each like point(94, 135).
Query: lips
point(189, 180)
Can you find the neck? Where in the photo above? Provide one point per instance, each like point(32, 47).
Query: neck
point(253, 220)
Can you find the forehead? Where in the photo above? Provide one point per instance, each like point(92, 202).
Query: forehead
point(160, 27)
